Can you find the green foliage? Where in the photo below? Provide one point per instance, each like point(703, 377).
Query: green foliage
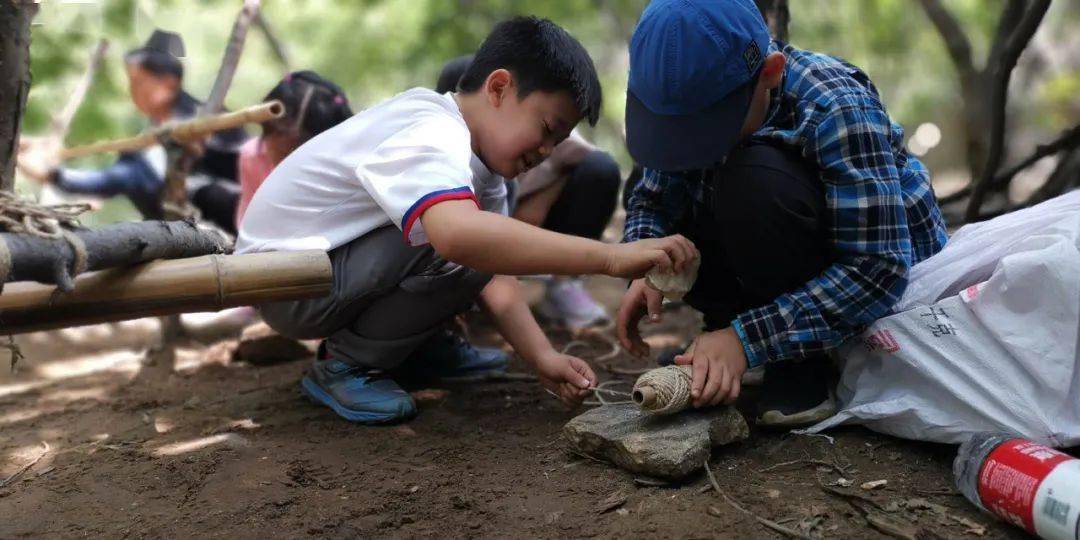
point(376, 48)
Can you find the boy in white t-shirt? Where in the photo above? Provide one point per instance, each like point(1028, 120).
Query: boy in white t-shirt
point(393, 195)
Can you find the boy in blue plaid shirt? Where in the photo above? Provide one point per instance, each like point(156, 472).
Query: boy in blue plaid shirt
point(784, 168)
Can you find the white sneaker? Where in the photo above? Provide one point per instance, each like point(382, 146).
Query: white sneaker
point(566, 300)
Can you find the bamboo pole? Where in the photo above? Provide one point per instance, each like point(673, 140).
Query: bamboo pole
point(182, 131)
point(207, 283)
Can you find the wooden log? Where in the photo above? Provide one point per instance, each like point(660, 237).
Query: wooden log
point(207, 283)
point(182, 131)
point(15, 17)
point(223, 81)
point(56, 261)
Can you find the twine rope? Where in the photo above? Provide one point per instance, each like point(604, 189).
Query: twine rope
point(664, 390)
point(19, 215)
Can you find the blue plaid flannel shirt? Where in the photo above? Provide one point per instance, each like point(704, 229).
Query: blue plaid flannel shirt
point(883, 216)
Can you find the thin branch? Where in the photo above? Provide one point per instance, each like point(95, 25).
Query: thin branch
point(731, 502)
point(1069, 139)
point(804, 462)
point(956, 41)
point(276, 45)
point(61, 123)
point(1010, 17)
point(26, 467)
point(1065, 176)
point(233, 50)
point(1002, 72)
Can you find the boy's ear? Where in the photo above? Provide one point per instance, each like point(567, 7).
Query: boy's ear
point(497, 86)
point(773, 70)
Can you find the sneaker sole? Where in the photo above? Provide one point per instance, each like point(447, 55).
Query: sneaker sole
point(809, 417)
point(318, 395)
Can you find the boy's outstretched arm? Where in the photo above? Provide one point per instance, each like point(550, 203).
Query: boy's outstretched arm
point(567, 376)
point(496, 244)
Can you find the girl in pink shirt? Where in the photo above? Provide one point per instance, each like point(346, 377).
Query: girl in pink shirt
point(312, 105)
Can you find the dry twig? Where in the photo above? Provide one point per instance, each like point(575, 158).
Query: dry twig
point(26, 467)
point(731, 502)
point(806, 462)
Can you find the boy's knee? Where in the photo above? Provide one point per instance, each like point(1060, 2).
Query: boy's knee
point(760, 182)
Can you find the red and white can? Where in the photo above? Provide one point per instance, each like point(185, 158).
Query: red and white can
point(1025, 483)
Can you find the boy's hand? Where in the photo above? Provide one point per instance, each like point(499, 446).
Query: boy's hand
point(718, 363)
point(632, 260)
point(638, 300)
point(568, 377)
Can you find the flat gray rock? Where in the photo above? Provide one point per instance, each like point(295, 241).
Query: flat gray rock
point(661, 446)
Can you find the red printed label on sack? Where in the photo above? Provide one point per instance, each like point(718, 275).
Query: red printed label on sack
point(972, 292)
point(1010, 478)
point(883, 340)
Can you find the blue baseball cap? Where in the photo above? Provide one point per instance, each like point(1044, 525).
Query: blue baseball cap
point(693, 68)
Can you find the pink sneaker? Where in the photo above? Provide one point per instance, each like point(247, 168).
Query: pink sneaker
point(567, 301)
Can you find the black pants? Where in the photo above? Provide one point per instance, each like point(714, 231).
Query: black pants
point(588, 199)
point(762, 232)
point(217, 202)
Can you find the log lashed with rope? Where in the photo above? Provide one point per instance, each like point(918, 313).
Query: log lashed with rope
point(58, 259)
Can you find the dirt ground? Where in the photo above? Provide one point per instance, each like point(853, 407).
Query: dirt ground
point(220, 448)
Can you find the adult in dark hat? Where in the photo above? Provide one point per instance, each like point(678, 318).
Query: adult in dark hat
point(155, 81)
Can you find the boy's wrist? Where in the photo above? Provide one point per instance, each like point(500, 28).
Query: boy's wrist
point(538, 356)
point(603, 258)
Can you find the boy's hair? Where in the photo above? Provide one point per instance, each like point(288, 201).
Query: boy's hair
point(313, 105)
point(451, 73)
point(541, 56)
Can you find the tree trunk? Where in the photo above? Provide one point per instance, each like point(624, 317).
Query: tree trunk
point(976, 122)
point(999, 71)
point(15, 17)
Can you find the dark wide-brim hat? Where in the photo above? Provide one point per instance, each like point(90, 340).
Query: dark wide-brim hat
point(163, 41)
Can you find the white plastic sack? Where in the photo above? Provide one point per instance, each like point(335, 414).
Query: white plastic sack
point(986, 339)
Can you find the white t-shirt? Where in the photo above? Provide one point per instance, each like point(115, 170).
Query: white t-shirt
point(387, 164)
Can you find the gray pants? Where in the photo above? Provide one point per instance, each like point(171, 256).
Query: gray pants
point(387, 298)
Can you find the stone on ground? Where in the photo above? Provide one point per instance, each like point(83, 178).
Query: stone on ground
point(662, 446)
